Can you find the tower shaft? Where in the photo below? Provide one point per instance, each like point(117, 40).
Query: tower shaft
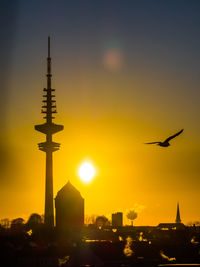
point(49, 128)
point(49, 209)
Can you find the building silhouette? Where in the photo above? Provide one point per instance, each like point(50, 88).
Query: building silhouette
point(49, 128)
point(69, 206)
point(178, 225)
point(117, 219)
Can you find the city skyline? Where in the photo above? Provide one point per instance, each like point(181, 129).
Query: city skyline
point(121, 80)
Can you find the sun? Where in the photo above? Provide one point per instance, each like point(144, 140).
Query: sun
point(86, 172)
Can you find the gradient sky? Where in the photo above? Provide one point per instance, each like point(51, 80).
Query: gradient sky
point(125, 73)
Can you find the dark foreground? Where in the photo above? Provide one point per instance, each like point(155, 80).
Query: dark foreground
point(103, 247)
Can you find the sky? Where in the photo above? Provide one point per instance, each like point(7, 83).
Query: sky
point(125, 73)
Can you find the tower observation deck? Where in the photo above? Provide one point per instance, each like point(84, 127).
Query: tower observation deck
point(49, 128)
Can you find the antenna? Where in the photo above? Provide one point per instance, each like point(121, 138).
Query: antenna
point(48, 46)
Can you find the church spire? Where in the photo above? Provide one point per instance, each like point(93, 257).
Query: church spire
point(178, 217)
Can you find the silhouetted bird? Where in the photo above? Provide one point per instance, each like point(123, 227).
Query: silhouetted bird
point(166, 142)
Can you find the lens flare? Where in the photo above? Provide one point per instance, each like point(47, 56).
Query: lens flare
point(112, 59)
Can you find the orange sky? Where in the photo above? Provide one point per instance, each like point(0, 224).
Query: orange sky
point(129, 173)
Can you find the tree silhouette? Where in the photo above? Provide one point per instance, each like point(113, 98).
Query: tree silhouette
point(17, 224)
point(101, 221)
point(5, 223)
point(34, 222)
point(90, 219)
point(131, 215)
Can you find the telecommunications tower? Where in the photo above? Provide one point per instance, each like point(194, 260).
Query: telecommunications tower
point(49, 128)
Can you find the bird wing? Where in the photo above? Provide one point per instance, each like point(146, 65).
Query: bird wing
point(152, 143)
point(171, 137)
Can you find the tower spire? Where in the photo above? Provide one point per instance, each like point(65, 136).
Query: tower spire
point(48, 46)
point(178, 217)
point(49, 128)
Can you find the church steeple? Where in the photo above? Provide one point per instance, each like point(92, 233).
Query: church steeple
point(178, 217)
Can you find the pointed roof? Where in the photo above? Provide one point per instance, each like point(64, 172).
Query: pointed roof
point(67, 190)
point(178, 217)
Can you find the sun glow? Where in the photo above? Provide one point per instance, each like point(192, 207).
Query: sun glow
point(86, 172)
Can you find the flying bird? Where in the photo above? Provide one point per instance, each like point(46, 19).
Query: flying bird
point(166, 142)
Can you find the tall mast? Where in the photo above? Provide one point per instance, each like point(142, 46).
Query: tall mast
point(49, 128)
